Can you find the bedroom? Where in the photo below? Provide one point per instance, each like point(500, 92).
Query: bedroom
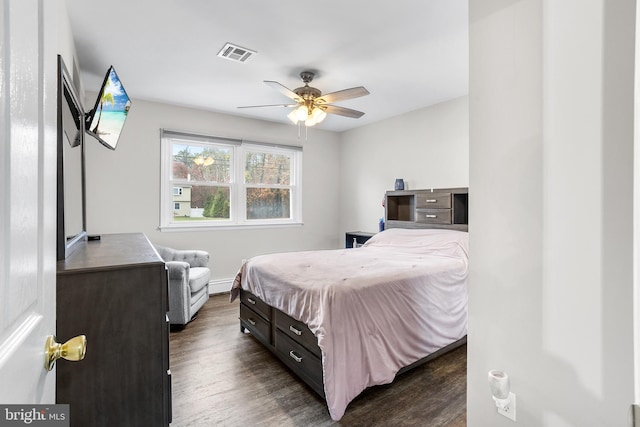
point(512, 178)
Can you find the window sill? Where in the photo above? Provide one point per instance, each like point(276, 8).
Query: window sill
point(208, 227)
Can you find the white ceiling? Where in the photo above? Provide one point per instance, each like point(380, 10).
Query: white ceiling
point(409, 54)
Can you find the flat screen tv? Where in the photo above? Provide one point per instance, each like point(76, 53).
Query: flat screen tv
point(106, 120)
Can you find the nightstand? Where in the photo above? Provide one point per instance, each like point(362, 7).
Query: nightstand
point(356, 238)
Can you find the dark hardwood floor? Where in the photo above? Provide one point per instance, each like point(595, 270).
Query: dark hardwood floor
point(222, 377)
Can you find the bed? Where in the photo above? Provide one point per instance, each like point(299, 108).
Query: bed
point(348, 319)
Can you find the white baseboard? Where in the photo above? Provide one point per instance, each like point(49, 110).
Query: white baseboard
point(220, 286)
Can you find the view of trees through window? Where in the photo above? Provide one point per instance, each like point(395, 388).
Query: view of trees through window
point(202, 183)
point(203, 175)
point(265, 175)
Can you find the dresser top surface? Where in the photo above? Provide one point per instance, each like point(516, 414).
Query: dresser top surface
point(112, 250)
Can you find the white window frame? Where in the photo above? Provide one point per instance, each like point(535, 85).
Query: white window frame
point(237, 186)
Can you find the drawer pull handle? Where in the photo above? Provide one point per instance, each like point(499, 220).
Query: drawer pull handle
point(251, 300)
point(253, 322)
point(295, 356)
point(431, 216)
point(431, 201)
point(294, 330)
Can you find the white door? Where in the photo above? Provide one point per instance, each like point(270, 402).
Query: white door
point(28, 77)
point(634, 411)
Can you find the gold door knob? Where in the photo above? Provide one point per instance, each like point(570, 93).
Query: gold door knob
point(72, 350)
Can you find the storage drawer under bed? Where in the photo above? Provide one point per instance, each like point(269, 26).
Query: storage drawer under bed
point(303, 362)
point(290, 340)
point(258, 326)
point(256, 304)
point(297, 331)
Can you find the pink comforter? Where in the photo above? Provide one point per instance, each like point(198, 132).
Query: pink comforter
point(375, 309)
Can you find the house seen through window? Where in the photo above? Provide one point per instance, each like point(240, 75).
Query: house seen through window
point(209, 181)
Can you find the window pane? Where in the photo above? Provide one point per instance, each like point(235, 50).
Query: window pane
point(267, 203)
point(196, 163)
point(201, 203)
point(267, 168)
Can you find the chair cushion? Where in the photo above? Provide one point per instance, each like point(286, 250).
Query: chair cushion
point(197, 300)
point(198, 278)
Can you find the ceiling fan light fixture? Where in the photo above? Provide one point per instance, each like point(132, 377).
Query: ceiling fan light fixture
point(311, 106)
point(318, 115)
point(302, 112)
point(293, 116)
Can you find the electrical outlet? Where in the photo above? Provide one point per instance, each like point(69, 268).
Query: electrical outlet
point(509, 411)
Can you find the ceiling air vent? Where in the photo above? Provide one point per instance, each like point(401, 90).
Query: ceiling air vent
point(236, 53)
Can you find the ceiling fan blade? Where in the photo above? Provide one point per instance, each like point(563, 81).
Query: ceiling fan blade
point(341, 95)
point(272, 105)
point(341, 111)
point(283, 90)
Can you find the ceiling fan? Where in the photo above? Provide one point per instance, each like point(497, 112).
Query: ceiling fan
point(311, 106)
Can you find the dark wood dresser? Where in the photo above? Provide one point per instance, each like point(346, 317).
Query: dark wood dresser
point(114, 291)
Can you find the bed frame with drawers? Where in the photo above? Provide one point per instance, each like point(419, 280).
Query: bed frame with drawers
point(294, 343)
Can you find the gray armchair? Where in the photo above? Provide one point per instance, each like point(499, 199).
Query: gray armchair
point(189, 276)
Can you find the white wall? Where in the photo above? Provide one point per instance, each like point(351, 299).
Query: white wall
point(345, 175)
point(66, 45)
point(551, 151)
point(428, 148)
point(123, 186)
